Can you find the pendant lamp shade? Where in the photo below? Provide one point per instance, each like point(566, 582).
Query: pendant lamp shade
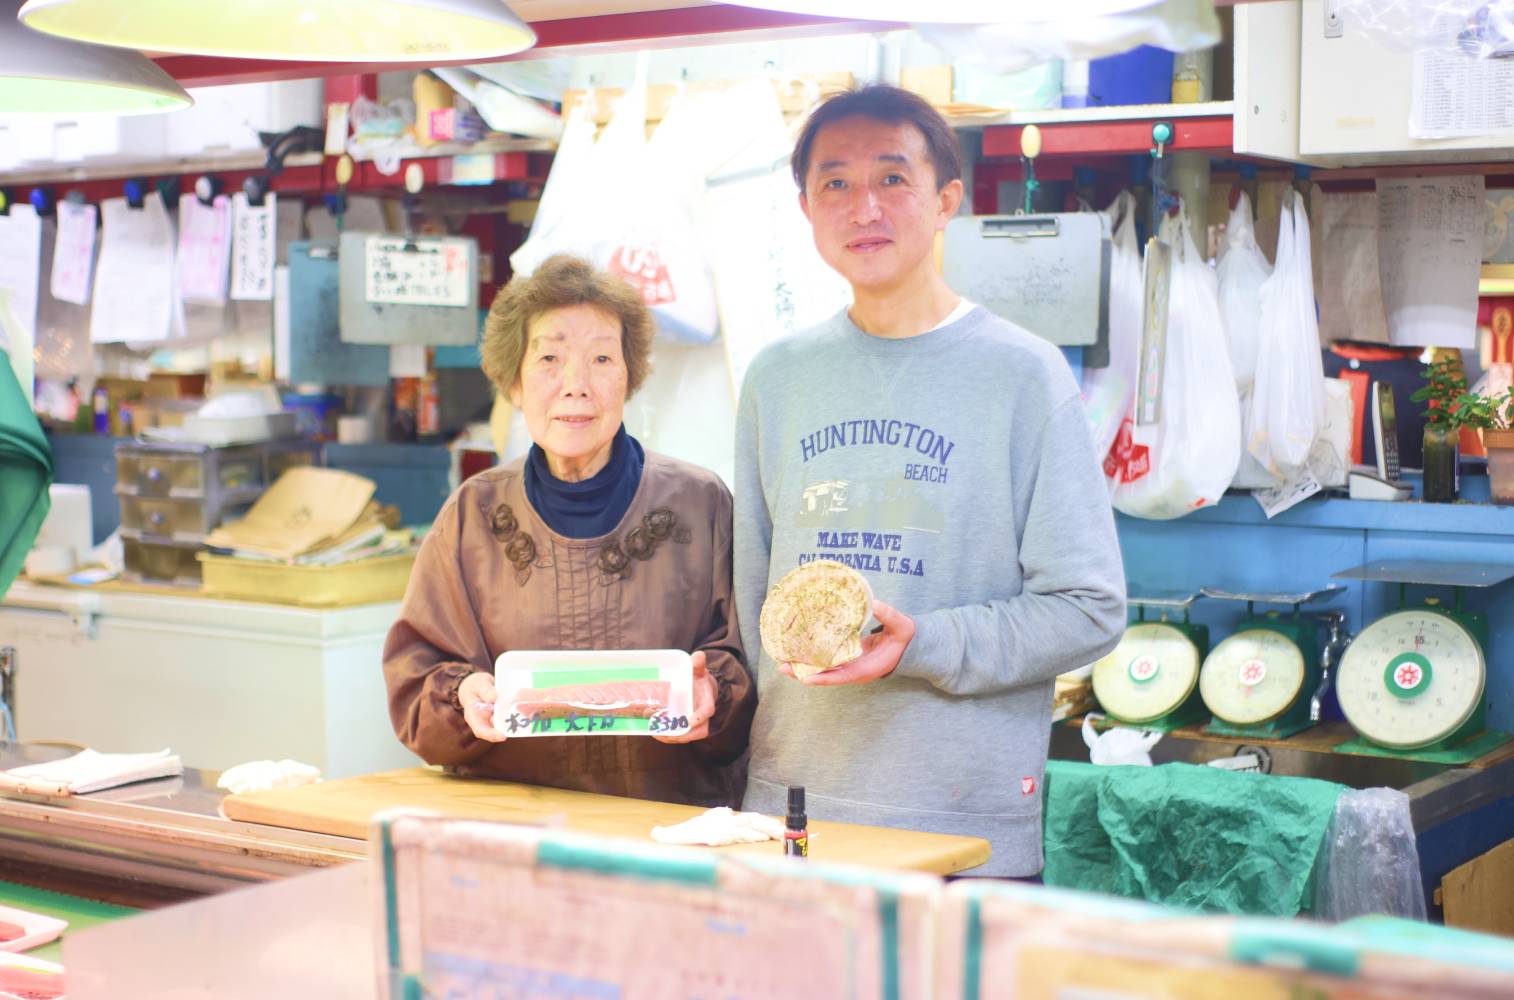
point(952, 11)
point(420, 31)
point(46, 75)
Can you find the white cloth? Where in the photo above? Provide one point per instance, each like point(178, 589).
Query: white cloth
point(262, 775)
point(92, 771)
point(720, 826)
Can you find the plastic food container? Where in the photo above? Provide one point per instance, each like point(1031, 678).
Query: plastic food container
point(37, 929)
point(639, 692)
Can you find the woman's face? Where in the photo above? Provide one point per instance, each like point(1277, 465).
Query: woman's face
point(572, 387)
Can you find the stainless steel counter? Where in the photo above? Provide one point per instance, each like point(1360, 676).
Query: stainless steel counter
point(147, 843)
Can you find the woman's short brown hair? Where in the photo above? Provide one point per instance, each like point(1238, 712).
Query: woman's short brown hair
point(564, 280)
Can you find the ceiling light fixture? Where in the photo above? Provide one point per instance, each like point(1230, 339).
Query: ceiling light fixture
point(46, 75)
point(419, 31)
point(951, 11)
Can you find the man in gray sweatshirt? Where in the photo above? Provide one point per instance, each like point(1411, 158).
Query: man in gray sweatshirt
point(944, 453)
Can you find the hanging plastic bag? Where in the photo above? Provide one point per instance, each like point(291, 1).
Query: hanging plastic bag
point(1109, 392)
point(1287, 407)
point(568, 194)
point(622, 204)
point(769, 278)
point(1242, 270)
point(1187, 458)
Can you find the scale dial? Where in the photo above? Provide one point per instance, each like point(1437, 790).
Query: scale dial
point(1411, 678)
point(1150, 673)
point(1252, 677)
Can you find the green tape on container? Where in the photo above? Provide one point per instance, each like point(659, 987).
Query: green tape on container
point(1281, 944)
point(687, 871)
point(888, 917)
point(972, 960)
point(391, 898)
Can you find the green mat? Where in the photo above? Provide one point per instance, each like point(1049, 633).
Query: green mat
point(26, 470)
point(1479, 746)
point(80, 913)
point(1196, 837)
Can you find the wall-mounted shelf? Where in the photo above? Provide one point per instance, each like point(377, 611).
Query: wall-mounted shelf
point(1116, 131)
point(112, 169)
point(303, 173)
point(1097, 115)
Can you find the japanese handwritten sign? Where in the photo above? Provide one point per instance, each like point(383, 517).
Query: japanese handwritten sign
point(74, 252)
point(416, 272)
point(204, 248)
point(253, 247)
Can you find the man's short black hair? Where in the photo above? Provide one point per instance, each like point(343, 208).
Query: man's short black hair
point(892, 106)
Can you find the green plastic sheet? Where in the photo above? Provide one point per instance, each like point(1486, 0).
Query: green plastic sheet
point(26, 471)
point(80, 913)
point(1197, 837)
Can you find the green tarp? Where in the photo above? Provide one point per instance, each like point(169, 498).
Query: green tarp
point(1196, 837)
point(26, 471)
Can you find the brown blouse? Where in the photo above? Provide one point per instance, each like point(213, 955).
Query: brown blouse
point(491, 576)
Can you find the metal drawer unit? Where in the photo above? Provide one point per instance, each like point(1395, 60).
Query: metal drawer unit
point(173, 494)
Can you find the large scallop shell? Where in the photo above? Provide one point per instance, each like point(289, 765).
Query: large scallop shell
point(813, 617)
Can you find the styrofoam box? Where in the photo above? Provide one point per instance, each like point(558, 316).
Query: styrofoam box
point(47, 139)
point(38, 929)
point(228, 119)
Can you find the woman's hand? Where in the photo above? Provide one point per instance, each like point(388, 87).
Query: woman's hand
point(705, 690)
point(477, 695)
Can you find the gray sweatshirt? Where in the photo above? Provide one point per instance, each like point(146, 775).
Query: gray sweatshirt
point(955, 471)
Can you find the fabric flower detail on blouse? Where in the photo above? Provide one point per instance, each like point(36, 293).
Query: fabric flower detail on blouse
point(520, 547)
point(641, 544)
point(613, 563)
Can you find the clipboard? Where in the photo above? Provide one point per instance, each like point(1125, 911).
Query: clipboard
point(408, 289)
point(317, 353)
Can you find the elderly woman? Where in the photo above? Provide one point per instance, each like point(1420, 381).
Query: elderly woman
point(589, 542)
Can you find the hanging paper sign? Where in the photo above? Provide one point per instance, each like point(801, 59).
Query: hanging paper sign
point(417, 272)
point(253, 247)
point(204, 248)
point(74, 252)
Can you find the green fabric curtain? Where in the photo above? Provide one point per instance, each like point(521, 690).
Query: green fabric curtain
point(26, 471)
point(1196, 837)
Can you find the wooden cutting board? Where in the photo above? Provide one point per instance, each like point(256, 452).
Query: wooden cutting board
point(346, 807)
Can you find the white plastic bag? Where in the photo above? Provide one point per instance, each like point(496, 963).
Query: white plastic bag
point(1109, 392)
point(1118, 745)
point(621, 202)
point(1242, 270)
point(1016, 44)
point(770, 281)
point(1287, 407)
point(1187, 458)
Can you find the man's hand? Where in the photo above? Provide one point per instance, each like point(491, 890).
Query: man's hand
point(705, 690)
point(881, 651)
point(478, 695)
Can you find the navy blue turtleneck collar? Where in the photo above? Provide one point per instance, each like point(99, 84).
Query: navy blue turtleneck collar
point(593, 507)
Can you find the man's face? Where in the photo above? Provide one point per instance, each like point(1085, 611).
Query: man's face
point(872, 200)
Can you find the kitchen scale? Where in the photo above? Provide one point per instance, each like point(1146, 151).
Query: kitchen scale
point(1151, 679)
point(1413, 682)
point(1265, 680)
